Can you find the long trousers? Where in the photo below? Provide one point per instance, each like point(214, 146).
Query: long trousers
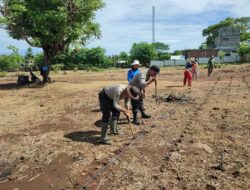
point(194, 75)
point(209, 70)
point(187, 78)
point(106, 106)
point(137, 105)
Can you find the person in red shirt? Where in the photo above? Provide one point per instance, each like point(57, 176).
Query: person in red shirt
point(187, 73)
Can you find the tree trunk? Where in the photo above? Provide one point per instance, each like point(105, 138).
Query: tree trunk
point(47, 62)
point(49, 52)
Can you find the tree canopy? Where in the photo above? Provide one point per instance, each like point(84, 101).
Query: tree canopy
point(177, 52)
point(50, 24)
point(212, 31)
point(124, 56)
point(143, 51)
point(160, 47)
point(161, 50)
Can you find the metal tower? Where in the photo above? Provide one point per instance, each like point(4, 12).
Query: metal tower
point(153, 24)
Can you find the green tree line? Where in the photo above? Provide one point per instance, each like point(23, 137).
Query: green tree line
point(81, 58)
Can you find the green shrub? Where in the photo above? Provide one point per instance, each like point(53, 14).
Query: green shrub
point(2, 74)
point(94, 69)
point(57, 67)
point(75, 69)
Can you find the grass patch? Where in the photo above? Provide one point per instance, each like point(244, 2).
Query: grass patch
point(2, 74)
point(94, 69)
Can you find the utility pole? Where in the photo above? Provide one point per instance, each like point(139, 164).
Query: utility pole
point(153, 24)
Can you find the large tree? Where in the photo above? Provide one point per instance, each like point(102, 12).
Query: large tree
point(161, 47)
point(161, 50)
point(144, 52)
point(212, 31)
point(123, 56)
point(50, 24)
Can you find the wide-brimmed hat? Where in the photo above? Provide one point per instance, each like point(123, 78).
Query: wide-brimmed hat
point(133, 92)
point(135, 62)
point(192, 59)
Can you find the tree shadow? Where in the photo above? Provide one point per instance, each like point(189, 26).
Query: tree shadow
point(121, 121)
point(9, 86)
point(84, 136)
point(15, 86)
point(172, 86)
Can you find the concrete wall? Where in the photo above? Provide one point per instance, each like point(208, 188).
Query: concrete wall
point(167, 63)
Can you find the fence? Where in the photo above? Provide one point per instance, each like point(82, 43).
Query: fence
point(202, 60)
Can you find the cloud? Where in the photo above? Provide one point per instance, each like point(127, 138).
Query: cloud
point(177, 23)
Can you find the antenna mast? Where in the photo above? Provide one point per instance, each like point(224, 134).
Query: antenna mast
point(153, 24)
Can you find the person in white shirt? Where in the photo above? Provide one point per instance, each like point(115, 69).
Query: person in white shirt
point(109, 103)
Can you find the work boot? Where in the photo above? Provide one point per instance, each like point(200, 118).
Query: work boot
point(135, 119)
point(104, 135)
point(113, 128)
point(144, 115)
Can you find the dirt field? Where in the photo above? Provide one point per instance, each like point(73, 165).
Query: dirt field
point(198, 137)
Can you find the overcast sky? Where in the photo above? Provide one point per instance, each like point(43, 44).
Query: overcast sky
point(178, 23)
